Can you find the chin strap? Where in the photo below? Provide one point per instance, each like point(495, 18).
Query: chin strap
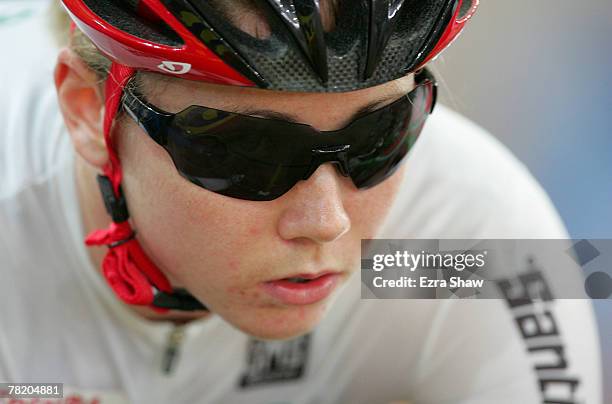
point(130, 273)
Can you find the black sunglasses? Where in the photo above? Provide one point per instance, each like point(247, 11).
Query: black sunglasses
point(260, 159)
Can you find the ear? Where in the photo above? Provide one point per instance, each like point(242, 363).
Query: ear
point(82, 104)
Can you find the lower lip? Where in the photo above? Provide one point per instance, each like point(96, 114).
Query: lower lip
point(302, 293)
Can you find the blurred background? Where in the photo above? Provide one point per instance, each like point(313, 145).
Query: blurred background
point(537, 75)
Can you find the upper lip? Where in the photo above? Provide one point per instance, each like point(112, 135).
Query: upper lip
point(308, 276)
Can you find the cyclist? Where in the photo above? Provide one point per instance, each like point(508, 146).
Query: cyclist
point(243, 150)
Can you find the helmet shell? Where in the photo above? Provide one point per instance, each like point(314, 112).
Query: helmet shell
point(370, 42)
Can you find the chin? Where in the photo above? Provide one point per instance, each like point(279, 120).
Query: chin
point(282, 322)
point(278, 335)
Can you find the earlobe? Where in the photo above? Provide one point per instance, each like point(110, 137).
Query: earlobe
point(82, 105)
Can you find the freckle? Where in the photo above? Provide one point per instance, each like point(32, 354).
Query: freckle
point(232, 265)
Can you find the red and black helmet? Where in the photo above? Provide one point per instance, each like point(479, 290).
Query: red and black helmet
point(371, 42)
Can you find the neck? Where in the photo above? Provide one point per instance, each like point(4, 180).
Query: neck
point(94, 216)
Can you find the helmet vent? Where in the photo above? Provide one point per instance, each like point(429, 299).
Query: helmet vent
point(126, 16)
point(466, 6)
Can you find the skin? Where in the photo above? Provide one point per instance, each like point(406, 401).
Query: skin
point(220, 248)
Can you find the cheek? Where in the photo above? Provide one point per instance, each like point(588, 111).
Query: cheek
point(378, 200)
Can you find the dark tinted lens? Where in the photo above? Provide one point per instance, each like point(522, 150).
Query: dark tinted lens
point(235, 155)
point(244, 179)
point(392, 137)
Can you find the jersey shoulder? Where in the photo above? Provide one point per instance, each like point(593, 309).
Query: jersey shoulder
point(460, 181)
point(32, 133)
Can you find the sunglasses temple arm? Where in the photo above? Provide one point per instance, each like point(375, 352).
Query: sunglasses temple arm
point(434, 96)
point(151, 120)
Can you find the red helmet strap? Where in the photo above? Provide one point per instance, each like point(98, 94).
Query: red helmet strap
point(117, 79)
point(126, 267)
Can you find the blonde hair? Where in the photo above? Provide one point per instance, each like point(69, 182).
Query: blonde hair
point(59, 24)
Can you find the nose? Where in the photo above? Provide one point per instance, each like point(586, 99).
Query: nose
point(315, 210)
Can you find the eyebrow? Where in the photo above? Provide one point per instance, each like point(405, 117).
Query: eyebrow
point(266, 113)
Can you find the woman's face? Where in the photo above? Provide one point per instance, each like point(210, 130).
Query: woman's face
point(225, 250)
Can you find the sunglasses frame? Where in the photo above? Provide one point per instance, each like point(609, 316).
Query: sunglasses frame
point(156, 122)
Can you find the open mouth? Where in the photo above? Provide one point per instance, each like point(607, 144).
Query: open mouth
point(298, 280)
point(303, 288)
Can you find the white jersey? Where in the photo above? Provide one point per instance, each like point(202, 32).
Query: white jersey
point(61, 323)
